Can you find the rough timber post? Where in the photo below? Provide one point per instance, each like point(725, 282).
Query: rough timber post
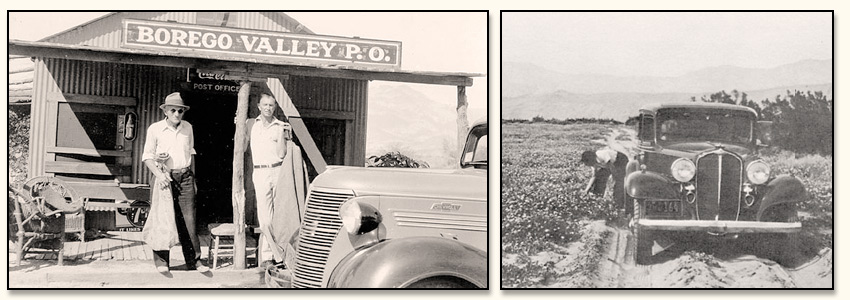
point(462, 122)
point(238, 199)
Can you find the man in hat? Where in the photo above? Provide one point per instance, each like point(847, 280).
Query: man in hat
point(607, 162)
point(268, 147)
point(173, 139)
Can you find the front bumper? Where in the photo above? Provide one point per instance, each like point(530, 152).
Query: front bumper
point(720, 226)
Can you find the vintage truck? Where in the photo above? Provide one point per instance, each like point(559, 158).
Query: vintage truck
point(697, 173)
point(397, 228)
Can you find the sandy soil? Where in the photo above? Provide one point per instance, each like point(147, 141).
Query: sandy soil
point(730, 265)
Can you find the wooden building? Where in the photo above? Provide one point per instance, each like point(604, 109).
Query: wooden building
point(98, 86)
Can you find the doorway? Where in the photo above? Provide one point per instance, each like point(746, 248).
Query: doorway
point(211, 116)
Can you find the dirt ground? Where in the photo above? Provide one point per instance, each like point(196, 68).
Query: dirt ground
point(728, 264)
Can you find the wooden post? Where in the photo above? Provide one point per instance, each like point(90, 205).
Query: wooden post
point(238, 199)
point(19, 246)
point(462, 122)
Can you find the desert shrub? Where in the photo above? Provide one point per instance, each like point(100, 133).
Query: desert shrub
point(19, 130)
point(527, 273)
point(542, 185)
point(815, 172)
point(394, 160)
point(802, 121)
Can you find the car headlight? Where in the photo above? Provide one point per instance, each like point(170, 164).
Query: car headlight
point(683, 169)
point(359, 218)
point(758, 172)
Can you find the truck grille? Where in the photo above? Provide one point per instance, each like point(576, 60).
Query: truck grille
point(718, 182)
point(318, 230)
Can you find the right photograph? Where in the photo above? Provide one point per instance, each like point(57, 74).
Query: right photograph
point(667, 150)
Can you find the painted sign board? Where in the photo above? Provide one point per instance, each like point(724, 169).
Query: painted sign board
point(227, 42)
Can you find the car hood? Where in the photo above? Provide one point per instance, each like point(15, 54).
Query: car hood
point(466, 183)
point(692, 149)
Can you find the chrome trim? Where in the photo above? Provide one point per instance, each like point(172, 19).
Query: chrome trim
point(440, 220)
point(320, 225)
point(687, 160)
point(720, 226)
point(747, 170)
point(721, 152)
point(719, 186)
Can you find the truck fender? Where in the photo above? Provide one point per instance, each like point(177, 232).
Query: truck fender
point(643, 185)
point(397, 263)
point(782, 189)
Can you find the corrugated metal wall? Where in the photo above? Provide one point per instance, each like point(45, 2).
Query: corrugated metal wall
point(42, 82)
point(148, 84)
point(332, 94)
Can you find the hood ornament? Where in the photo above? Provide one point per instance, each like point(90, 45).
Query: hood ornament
point(716, 145)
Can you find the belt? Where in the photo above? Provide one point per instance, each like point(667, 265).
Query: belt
point(181, 170)
point(269, 166)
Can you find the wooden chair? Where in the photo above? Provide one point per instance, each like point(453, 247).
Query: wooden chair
point(45, 209)
point(219, 234)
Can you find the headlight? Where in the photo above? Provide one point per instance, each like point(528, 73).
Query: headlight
point(758, 172)
point(359, 218)
point(683, 169)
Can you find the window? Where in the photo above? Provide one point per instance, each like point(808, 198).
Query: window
point(647, 129)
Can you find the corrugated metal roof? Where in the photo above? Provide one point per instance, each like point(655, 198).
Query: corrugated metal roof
point(258, 65)
point(94, 22)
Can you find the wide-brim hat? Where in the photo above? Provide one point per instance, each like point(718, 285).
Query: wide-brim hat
point(174, 99)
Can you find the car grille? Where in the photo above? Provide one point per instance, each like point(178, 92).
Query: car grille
point(718, 182)
point(318, 230)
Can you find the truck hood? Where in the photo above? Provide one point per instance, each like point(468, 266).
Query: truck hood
point(692, 149)
point(469, 183)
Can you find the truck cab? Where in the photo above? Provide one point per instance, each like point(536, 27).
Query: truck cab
point(397, 228)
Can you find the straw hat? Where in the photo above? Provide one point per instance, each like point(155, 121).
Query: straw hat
point(174, 99)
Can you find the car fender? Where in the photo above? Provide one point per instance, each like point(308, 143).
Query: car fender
point(397, 263)
point(782, 189)
point(643, 185)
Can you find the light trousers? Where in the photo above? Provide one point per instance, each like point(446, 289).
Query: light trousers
point(265, 185)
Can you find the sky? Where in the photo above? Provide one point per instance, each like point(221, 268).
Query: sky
point(453, 42)
point(663, 43)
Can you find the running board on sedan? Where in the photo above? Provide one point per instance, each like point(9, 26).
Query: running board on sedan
point(720, 226)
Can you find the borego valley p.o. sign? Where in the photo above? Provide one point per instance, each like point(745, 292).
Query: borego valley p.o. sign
point(285, 47)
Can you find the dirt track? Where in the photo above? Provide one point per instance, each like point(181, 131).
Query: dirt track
point(691, 267)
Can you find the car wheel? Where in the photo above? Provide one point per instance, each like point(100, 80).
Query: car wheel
point(437, 283)
point(784, 248)
point(643, 238)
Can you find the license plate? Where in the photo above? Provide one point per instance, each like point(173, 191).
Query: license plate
point(663, 207)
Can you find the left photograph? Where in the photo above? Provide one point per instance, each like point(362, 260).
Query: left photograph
point(214, 149)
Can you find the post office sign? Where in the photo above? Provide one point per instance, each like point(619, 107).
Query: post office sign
point(279, 46)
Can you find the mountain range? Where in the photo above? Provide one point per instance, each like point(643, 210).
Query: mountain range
point(529, 90)
point(405, 119)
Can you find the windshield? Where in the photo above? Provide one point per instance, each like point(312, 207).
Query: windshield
point(475, 151)
point(710, 126)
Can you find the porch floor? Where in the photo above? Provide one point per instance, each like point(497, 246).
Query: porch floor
point(128, 245)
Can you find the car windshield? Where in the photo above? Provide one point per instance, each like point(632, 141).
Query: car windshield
point(712, 126)
point(475, 151)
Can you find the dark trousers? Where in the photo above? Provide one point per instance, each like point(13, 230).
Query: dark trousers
point(619, 174)
point(183, 190)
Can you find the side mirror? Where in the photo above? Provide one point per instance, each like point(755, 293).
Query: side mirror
point(764, 133)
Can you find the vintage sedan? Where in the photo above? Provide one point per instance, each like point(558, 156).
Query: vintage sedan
point(397, 228)
point(697, 171)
